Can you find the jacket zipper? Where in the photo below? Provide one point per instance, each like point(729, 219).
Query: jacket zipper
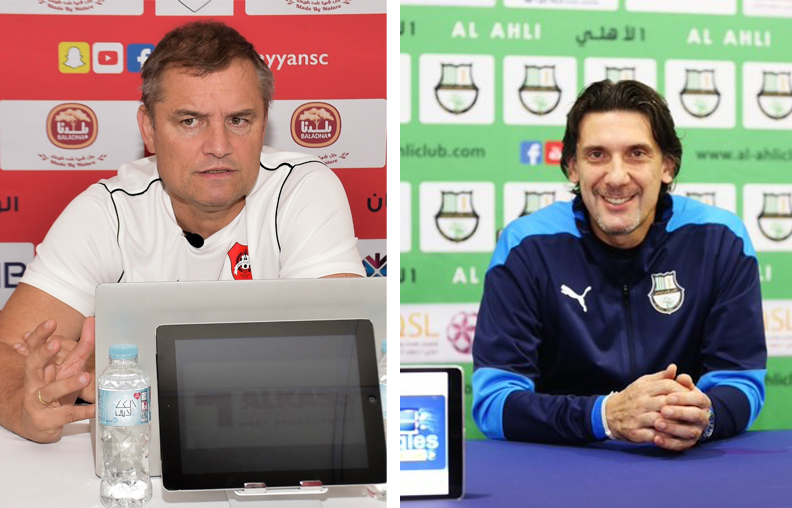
point(630, 337)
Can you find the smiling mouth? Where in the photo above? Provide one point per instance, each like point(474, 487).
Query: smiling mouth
point(616, 201)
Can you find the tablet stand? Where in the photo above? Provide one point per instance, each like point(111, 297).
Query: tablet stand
point(257, 495)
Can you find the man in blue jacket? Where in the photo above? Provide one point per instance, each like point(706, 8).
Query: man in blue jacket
point(629, 313)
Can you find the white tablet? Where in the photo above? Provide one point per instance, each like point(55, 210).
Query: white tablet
point(431, 433)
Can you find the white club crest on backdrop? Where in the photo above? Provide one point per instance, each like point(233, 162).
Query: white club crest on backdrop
point(457, 220)
point(775, 219)
point(456, 92)
point(775, 97)
point(700, 97)
point(539, 93)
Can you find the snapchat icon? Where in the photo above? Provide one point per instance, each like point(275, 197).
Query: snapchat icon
point(74, 57)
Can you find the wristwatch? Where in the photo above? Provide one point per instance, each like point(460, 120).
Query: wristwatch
point(710, 427)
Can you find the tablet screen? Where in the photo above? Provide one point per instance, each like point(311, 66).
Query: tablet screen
point(430, 433)
point(281, 402)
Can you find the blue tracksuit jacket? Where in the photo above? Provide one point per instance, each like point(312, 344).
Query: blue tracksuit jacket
point(547, 348)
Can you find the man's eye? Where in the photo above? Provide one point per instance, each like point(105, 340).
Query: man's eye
point(638, 153)
point(237, 121)
point(189, 122)
point(595, 155)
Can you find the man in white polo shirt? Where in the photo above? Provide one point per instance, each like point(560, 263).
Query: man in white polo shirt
point(213, 203)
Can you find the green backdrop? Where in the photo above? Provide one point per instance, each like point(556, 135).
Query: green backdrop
point(485, 87)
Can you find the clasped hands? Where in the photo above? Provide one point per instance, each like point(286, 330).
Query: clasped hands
point(57, 371)
point(660, 408)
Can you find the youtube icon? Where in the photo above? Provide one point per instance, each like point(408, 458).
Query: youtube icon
point(108, 57)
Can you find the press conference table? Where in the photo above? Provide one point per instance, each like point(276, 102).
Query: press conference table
point(61, 475)
point(750, 470)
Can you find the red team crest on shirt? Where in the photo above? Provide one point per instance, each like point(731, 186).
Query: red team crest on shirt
point(240, 262)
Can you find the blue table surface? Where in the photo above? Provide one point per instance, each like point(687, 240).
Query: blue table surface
point(753, 469)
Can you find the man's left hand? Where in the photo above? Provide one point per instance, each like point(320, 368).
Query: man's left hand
point(683, 418)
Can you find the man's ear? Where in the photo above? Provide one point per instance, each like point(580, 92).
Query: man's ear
point(146, 126)
point(668, 171)
point(572, 171)
point(264, 127)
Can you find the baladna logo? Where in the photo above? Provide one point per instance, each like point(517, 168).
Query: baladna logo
point(666, 295)
point(457, 220)
point(775, 98)
point(539, 92)
point(456, 92)
point(775, 219)
point(700, 96)
point(536, 200)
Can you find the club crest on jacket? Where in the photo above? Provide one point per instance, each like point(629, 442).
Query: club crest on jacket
point(666, 295)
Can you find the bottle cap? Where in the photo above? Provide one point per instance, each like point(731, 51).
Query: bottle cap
point(123, 351)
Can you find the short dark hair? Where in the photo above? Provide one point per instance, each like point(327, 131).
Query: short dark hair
point(627, 95)
point(203, 47)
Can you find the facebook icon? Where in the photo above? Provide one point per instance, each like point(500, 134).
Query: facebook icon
point(531, 152)
point(137, 54)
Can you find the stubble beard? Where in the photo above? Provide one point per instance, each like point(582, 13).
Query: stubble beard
point(609, 229)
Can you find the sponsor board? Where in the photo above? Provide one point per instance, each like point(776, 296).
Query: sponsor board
point(405, 89)
point(722, 195)
point(54, 135)
point(73, 7)
point(582, 5)
point(374, 254)
point(194, 7)
point(437, 333)
point(767, 213)
point(619, 69)
point(14, 258)
point(289, 7)
point(457, 216)
point(701, 93)
point(778, 326)
point(684, 6)
point(521, 199)
point(456, 89)
point(342, 133)
point(538, 90)
point(405, 212)
point(767, 95)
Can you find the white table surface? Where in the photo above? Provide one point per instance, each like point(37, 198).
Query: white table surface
point(62, 475)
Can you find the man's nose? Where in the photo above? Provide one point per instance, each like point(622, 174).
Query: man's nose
point(217, 140)
point(618, 173)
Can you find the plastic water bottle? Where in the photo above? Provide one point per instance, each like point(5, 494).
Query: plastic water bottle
point(124, 426)
point(382, 369)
